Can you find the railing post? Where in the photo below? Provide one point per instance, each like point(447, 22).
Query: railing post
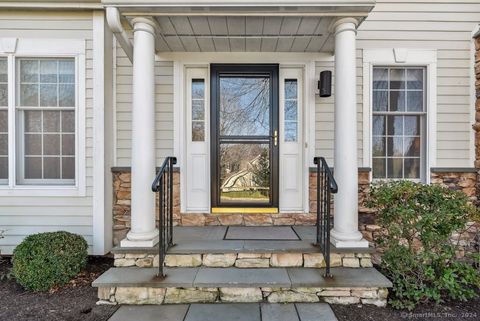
point(170, 195)
point(161, 224)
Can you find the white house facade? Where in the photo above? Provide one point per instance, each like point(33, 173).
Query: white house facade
point(94, 95)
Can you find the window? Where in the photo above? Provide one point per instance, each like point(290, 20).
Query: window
point(398, 103)
point(3, 121)
point(291, 110)
point(45, 110)
point(198, 110)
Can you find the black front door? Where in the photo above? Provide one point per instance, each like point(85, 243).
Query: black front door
point(244, 146)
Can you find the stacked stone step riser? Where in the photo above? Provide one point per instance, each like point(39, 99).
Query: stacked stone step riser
point(246, 260)
point(169, 295)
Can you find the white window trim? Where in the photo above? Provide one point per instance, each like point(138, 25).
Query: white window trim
point(47, 48)
point(400, 57)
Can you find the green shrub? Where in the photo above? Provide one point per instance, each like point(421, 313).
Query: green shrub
point(420, 256)
point(45, 260)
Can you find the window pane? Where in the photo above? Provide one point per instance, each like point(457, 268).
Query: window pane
point(412, 125)
point(378, 125)
point(3, 144)
point(48, 71)
point(414, 100)
point(48, 95)
point(412, 168)
point(198, 131)
point(29, 95)
point(33, 144)
point(397, 78)
point(378, 146)
point(68, 144)
point(33, 167)
point(380, 78)
point(395, 125)
point(244, 106)
point(412, 146)
point(380, 100)
point(198, 89)
point(3, 120)
point(3, 167)
point(66, 71)
point(66, 95)
point(198, 110)
point(29, 71)
point(397, 101)
point(68, 167)
point(394, 167)
point(51, 144)
point(291, 110)
point(3, 95)
point(379, 168)
point(51, 168)
point(290, 131)
point(395, 146)
point(33, 121)
point(415, 78)
point(3, 70)
point(291, 89)
point(245, 173)
point(68, 121)
point(51, 121)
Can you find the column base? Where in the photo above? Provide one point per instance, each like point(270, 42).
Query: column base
point(140, 239)
point(353, 240)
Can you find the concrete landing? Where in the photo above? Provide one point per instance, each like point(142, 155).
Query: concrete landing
point(265, 239)
point(222, 312)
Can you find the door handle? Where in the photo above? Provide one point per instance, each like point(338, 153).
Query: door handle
point(275, 137)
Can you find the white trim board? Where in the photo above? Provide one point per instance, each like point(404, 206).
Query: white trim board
point(398, 57)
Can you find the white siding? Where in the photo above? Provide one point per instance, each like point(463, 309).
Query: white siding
point(21, 216)
point(447, 27)
point(163, 106)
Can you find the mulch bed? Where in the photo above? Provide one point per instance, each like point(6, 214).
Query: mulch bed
point(77, 302)
point(73, 302)
point(458, 311)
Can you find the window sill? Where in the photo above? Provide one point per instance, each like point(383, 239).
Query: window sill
point(39, 191)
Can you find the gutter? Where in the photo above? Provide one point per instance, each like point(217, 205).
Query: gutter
point(115, 24)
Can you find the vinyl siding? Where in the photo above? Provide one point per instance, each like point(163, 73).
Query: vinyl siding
point(163, 109)
point(445, 26)
point(21, 216)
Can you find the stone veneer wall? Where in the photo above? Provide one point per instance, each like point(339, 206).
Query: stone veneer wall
point(121, 207)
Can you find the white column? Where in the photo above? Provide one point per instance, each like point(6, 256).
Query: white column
point(345, 231)
point(143, 232)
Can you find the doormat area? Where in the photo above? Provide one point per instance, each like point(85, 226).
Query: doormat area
point(261, 233)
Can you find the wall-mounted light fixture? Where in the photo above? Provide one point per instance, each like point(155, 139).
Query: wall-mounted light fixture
point(325, 83)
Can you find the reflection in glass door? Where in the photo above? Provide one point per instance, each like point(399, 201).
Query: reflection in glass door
point(245, 132)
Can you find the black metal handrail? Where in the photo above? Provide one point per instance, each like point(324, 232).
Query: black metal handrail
point(326, 186)
point(163, 186)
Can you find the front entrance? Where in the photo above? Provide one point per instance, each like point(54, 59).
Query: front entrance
point(244, 136)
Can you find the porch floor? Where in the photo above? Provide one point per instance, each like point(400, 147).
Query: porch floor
point(211, 239)
point(238, 311)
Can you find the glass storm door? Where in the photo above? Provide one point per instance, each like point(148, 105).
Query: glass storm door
point(244, 135)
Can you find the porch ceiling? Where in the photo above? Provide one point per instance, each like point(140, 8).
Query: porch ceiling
point(244, 34)
point(244, 26)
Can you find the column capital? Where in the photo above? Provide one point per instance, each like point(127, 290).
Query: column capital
point(144, 24)
point(343, 24)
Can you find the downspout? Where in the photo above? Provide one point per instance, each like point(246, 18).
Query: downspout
point(115, 24)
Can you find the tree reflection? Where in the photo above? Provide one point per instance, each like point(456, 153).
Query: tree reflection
point(244, 106)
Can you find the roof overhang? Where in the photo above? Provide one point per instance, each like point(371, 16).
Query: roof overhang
point(243, 25)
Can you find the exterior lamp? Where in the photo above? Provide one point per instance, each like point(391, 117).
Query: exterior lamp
point(325, 83)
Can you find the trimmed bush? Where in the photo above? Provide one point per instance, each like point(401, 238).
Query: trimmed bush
point(45, 260)
point(418, 223)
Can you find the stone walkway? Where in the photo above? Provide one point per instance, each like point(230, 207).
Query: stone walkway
point(224, 312)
